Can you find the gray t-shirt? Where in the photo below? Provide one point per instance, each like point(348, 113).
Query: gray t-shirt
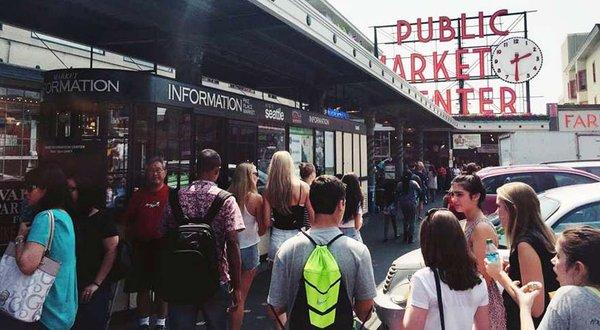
point(352, 257)
point(573, 307)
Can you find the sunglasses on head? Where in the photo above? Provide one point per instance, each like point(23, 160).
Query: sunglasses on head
point(432, 211)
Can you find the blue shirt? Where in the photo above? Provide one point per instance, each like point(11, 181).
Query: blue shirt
point(60, 306)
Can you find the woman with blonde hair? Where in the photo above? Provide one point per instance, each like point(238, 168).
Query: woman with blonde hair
point(531, 245)
point(285, 199)
point(243, 188)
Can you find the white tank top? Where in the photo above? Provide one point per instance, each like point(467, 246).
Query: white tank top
point(248, 236)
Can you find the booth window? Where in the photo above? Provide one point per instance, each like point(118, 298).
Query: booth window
point(117, 153)
point(173, 142)
point(270, 140)
point(320, 152)
point(301, 146)
point(19, 118)
point(329, 153)
point(582, 80)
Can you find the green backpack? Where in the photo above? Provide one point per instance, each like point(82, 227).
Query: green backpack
point(322, 301)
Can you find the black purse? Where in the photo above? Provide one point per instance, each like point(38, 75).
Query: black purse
point(439, 296)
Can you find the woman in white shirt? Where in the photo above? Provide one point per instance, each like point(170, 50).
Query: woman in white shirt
point(463, 292)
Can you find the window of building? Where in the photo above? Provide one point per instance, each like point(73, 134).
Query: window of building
point(572, 89)
point(19, 118)
point(594, 71)
point(582, 80)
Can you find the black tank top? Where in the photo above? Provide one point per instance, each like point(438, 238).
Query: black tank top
point(294, 220)
point(514, 272)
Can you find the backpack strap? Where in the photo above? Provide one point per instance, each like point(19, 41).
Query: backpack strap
point(216, 205)
point(176, 205)
point(439, 296)
point(315, 243)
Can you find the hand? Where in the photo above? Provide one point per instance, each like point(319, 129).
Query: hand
point(527, 293)
point(494, 270)
point(24, 228)
point(88, 292)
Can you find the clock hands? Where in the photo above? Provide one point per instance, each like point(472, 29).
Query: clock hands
point(515, 61)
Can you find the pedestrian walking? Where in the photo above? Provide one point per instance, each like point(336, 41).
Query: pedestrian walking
point(52, 229)
point(142, 219)
point(577, 266)
point(531, 245)
point(312, 256)
point(448, 293)
point(250, 202)
point(442, 178)
point(352, 220)
point(286, 200)
point(390, 213)
point(407, 197)
point(97, 239)
point(468, 193)
point(201, 271)
point(432, 182)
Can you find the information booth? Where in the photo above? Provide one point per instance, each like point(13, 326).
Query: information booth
point(105, 124)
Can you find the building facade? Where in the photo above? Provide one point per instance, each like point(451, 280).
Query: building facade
point(581, 72)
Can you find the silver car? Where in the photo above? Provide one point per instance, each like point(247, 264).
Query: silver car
point(561, 208)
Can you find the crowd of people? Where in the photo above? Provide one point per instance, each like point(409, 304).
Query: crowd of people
point(195, 250)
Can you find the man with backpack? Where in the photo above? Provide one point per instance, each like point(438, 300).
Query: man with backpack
point(321, 277)
point(201, 267)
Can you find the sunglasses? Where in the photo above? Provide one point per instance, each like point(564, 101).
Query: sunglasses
point(432, 211)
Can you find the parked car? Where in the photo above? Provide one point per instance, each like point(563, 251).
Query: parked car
point(539, 177)
point(591, 166)
point(574, 205)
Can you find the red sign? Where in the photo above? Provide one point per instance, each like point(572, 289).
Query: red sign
point(464, 62)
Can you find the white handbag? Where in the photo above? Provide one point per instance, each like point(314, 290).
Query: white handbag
point(22, 296)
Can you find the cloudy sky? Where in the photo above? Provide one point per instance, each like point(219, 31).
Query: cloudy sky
point(548, 27)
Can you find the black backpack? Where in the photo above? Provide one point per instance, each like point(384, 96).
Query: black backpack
point(189, 273)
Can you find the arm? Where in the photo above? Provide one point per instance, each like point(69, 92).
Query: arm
point(309, 208)
point(29, 254)
point(266, 213)
point(482, 318)
point(531, 270)
point(480, 234)
point(495, 272)
point(414, 318)
point(279, 314)
point(235, 263)
point(262, 228)
point(363, 309)
point(110, 253)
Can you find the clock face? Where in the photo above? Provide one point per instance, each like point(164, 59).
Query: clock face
point(516, 60)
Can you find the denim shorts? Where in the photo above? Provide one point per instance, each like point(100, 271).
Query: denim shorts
point(250, 257)
point(278, 237)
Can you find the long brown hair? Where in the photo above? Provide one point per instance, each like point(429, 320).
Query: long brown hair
point(242, 183)
point(444, 246)
point(524, 215)
point(579, 244)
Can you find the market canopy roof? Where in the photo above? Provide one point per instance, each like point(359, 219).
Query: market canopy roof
point(230, 40)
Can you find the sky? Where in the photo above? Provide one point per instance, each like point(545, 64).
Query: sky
point(548, 27)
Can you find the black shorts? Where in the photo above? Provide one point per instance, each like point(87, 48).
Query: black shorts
point(146, 261)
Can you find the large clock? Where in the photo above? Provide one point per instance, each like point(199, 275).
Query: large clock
point(516, 60)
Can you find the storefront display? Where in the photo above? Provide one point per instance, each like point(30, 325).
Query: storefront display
point(301, 146)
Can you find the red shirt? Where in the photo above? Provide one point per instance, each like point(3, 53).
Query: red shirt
point(145, 211)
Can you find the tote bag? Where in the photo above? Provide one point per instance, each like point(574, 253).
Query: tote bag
point(22, 296)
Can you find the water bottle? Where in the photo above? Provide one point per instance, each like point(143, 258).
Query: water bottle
point(491, 252)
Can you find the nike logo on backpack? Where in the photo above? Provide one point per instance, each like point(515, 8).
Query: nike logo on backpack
point(321, 301)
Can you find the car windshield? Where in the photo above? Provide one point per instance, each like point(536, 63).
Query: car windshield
point(591, 169)
point(547, 207)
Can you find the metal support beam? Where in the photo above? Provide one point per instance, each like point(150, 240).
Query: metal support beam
point(450, 153)
point(420, 143)
point(398, 147)
point(371, 180)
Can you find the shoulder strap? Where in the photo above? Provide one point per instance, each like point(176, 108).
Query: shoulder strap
point(439, 296)
point(216, 205)
point(300, 197)
point(334, 239)
point(594, 291)
point(51, 232)
point(309, 238)
point(176, 205)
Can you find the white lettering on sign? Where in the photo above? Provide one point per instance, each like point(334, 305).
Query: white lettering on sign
point(579, 120)
point(69, 82)
point(275, 114)
point(318, 120)
point(205, 98)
